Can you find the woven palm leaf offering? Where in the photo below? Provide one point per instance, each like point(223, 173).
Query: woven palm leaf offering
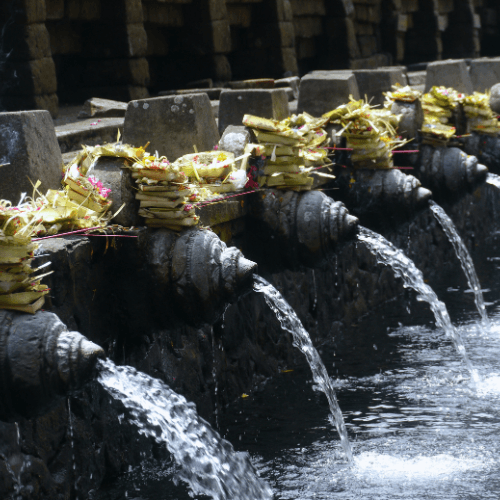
point(165, 193)
point(85, 189)
point(294, 150)
point(369, 132)
point(403, 94)
point(439, 106)
point(168, 192)
point(20, 288)
point(480, 117)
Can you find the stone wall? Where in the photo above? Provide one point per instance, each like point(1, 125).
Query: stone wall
point(237, 354)
point(99, 48)
point(76, 49)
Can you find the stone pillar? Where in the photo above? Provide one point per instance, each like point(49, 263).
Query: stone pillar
point(187, 41)
point(310, 31)
point(262, 39)
point(340, 34)
point(27, 71)
point(462, 30)
point(393, 26)
point(366, 20)
point(425, 23)
point(490, 33)
point(99, 48)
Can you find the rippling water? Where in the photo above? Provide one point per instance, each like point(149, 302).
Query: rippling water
point(418, 429)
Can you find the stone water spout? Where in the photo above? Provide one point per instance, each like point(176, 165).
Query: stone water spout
point(449, 170)
point(486, 148)
point(304, 228)
point(39, 360)
point(372, 193)
point(198, 272)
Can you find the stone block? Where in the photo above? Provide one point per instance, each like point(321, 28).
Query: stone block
point(409, 5)
point(213, 94)
point(239, 15)
point(310, 7)
point(64, 38)
point(31, 77)
point(117, 72)
point(83, 10)
point(449, 73)
point(372, 83)
point(217, 10)
point(124, 93)
point(372, 62)
point(444, 6)
point(322, 92)
point(308, 27)
point(484, 73)
point(352, 43)
point(259, 83)
point(132, 13)
point(217, 36)
point(215, 108)
point(416, 77)
point(104, 40)
point(412, 118)
point(289, 61)
point(29, 146)
point(158, 42)
point(234, 139)
point(90, 132)
point(163, 14)
point(306, 48)
point(367, 45)
point(364, 28)
point(55, 9)
point(23, 11)
point(495, 98)
point(172, 125)
point(137, 40)
point(293, 82)
point(48, 102)
point(221, 67)
point(111, 173)
point(268, 103)
point(284, 10)
point(286, 34)
point(26, 42)
point(103, 108)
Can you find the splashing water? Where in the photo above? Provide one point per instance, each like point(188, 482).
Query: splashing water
point(464, 258)
point(493, 179)
point(207, 462)
point(404, 268)
point(291, 323)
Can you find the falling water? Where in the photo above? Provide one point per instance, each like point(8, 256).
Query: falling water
point(291, 323)
point(207, 462)
point(463, 256)
point(404, 268)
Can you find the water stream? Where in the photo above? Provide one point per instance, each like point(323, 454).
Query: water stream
point(292, 324)
point(463, 256)
point(207, 462)
point(493, 180)
point(404, 268)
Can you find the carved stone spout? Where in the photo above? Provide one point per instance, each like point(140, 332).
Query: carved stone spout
point(40, 359)
point(302, 227)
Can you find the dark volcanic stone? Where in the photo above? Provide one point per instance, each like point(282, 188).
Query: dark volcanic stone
point(28, 144)
point(173, 125)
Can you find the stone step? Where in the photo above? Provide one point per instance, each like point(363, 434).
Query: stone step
point(89, 132)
